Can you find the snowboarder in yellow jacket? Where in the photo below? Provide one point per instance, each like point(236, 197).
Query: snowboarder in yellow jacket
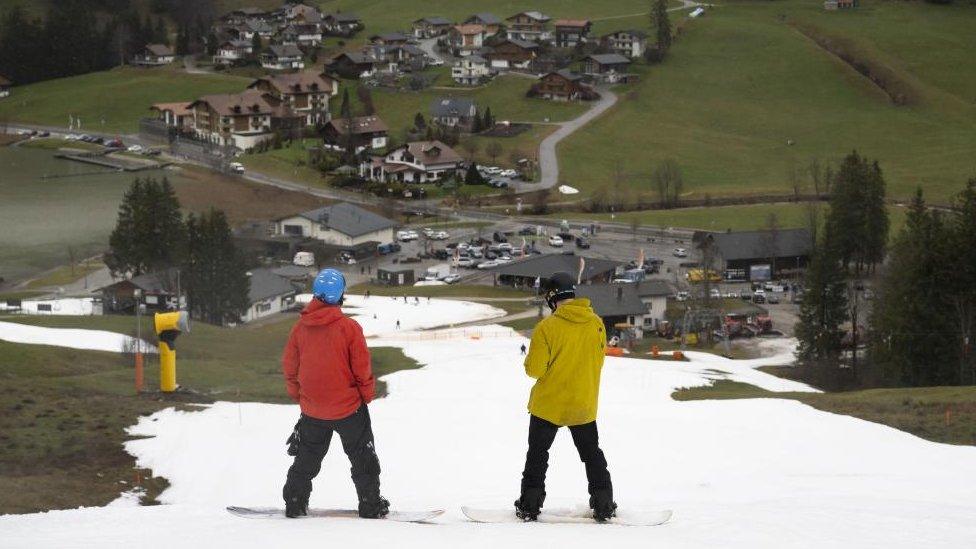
point(565, 357)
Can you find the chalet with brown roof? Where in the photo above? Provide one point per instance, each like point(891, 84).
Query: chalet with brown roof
point(280, 57)
point(342, 24)
point(491, 22)
point(305, 93)
point(415, 162)
point(563, 85)
point(529, 25)
point(512, 53)
point(307, 35)
point(353, 64)
point(174, 115)
point(431, 27)
point(301, 13)
point(389, 39)
point(365, 132)
point(154, 55)
point(466, 39)
point(230, 52)
point(5, 86)
point(240, 120)
point(570, 32)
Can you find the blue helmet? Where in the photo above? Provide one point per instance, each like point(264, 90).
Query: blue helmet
point(329, 286)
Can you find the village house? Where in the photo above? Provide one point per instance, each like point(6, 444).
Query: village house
point(268, 294)
point(471, 70)
point(453, 112)
point(306, 35)
point(840, 4)
point(628, 43)
point(365, 132)
point(529, 25)
point(415, 162)
point(281, 57)
point(605, 67)
point(241, 15)
point(512, 53)
point(654, 293)
point(563, 85)
point(174, 115)
point(491, 23)
point(5, 86)
point(354, 64)
point(570, 32)
point(341, 224)
point(342, 24)
point(154, 55)
point(259, 27)
point(389, 39)
point(525, 272)
point(303, 14)
point(431, 27)
point(618, 305)
point(231, 52)
point(405, 57)
point(238, 120)
point(466, 39)
point(151, 291)
point(305, 93)
point(760, 255)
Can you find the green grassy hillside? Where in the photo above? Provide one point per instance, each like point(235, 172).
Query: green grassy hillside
point(110, 101)
point(741, 82)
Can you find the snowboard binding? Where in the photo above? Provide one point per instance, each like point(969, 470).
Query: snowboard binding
point(528, 507)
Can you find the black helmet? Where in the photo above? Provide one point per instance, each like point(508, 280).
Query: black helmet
point(558, 287)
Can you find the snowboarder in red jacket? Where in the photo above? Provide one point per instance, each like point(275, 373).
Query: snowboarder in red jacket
point(327, 372)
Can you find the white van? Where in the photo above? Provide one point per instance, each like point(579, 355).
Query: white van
point(304, 259)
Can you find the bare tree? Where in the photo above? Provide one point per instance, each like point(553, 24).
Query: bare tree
point(668, 181)
point(469, 146)
point(494, 150)
point(770, 240)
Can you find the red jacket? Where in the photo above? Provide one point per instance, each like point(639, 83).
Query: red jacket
point(326, 363)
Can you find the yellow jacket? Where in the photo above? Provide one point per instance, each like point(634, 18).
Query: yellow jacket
point(566, 357)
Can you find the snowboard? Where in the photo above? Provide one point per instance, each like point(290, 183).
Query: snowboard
point(279, 513)
point(578, 515)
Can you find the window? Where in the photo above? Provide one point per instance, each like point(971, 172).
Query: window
point(262, 307)
point(44, 307)
point(292, 230)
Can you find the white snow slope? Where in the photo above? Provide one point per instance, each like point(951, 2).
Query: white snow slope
point(92, 340)
point(738, 474)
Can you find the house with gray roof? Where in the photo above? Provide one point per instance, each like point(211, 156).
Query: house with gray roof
point(525, 272)
point(430, 27)
point(454, 111)
point(605, 67)
point(490, 21)
point(341, 224)
point(618, 305)
point(759, 255)
point(629, 43)
point(268, 294)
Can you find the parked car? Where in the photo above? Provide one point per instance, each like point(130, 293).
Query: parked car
point(138, 149)
point(498, 183)
point(466, 262)
point(440, 235)
point(510, 173)
point(452, 278)
point(428, 232)
point(714, 293)
point(407, 235)
point(772, 298)
point(527, 231)
point(504, 247)
point(235, 167)
point(745, 295)
point(681, 296)
point(582, 243)
point(488, 264)
point(385, 249)
point(556, 241)
point(680, 252)
point(115, 144)
point(504, 260)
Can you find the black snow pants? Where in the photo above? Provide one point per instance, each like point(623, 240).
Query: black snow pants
point(356, 433)
point(542, 434)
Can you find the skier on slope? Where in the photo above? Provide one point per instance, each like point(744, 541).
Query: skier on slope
point(327, 372)
point(565, 357)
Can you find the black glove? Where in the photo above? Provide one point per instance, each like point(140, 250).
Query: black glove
point(294, 440)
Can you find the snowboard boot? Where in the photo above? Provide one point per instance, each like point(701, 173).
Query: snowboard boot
point(374, 507)
point(296, 507)
point(529, 505)
point(604, 508)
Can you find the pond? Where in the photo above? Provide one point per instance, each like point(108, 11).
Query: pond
point(49, 205)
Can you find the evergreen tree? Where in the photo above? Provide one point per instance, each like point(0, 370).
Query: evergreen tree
point(489, 120)
point(858, 217)
point(215, 273)
point(473, 176)
point(909, 324)
point(477, 122)
point(823, 308)
point(149, 234)
point(661, 26)
point(419, 123)
point(960, 283)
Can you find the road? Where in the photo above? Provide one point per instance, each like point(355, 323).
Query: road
point(548, 162)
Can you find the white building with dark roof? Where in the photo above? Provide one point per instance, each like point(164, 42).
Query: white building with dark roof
point(414, 162)
point(269, 294)
point(341, 224)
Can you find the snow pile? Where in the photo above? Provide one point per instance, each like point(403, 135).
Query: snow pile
point(379, 314)
point(92, 340)
point(738, 474)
